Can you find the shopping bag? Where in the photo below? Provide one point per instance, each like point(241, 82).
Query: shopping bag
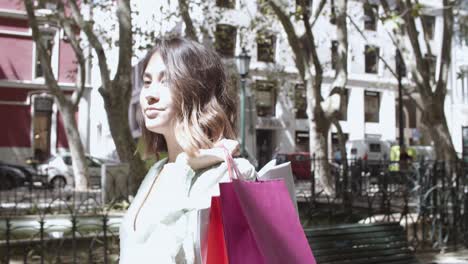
point(260, 222)
point(216, 247)
point(272, 171)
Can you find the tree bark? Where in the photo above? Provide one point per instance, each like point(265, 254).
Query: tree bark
point(66, 105)
point(431, 90)
point(116, 93)
point(320, 112)
point(79, 165)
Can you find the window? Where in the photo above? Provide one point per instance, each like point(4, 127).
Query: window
point(304, 5)
point(42, 120)
point(334, 54)
point(300, 101)
point(430, 63)
point(374, 147)
point(226, 3)
point(343, 115)
point(400, 64)
point(370, 17)
point(371, 106)
point(302, 141)
point(67, 160)
point(225, 40)
point(372, 59)
point(48, 40)
point(265, 94)
point(335, 145)
point(266, 43)
point(46, 4)
point(428, 23)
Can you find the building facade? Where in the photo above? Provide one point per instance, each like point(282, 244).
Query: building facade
point(31, 123)
point(277, 120)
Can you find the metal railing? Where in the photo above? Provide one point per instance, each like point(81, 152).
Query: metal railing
point(430, 199)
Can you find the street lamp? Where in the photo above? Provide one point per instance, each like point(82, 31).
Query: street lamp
point(401, 143)
point(399, 69)
point(242, 63)
point(464, 73)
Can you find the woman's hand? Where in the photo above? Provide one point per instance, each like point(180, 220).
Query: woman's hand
point(209, 157)
point(232, 146)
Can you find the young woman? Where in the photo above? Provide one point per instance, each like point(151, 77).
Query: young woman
point(187, 111)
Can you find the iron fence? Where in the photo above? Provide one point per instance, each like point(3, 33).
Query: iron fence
point(429, 198)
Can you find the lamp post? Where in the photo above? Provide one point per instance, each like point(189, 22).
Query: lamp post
point(242, 63)
point(401, 131)
point(464, 73)
point(399, 70)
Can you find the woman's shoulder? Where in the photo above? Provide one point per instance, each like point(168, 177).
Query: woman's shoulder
point(152, 171)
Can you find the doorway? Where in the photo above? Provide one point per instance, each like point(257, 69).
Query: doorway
point(264, 146)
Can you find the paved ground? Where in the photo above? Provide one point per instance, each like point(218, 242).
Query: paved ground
point(455, 257)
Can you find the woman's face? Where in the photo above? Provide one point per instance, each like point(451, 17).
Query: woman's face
point(156, 98)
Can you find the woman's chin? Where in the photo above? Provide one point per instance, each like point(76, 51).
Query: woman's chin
point(156, 127)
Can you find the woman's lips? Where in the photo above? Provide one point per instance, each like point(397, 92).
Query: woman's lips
point(152, 112)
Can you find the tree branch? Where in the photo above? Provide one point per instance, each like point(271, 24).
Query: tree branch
point(445, 53)
point(293, 39)
point(44, 59)
point(421, 74)
point(427, 41)
point(95, 43)
point(189, 28)
point(75, 44)
point(318, 12)
point(387, 65)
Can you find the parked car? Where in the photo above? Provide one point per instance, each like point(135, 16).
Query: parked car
point(373, 151)
point(301, 164)
point(14, 175)
point(57, 171)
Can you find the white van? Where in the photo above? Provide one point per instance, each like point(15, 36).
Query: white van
point(368, 150)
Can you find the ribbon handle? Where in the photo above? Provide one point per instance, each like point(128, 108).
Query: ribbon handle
point(232, 167)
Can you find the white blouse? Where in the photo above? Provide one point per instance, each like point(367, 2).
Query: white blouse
point(166, 227)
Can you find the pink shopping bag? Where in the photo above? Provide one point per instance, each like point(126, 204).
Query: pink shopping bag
point(260, 223)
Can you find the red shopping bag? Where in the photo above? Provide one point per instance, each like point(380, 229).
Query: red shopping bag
point(216, 246)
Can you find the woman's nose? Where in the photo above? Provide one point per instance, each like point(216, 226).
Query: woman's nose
point(151, 98)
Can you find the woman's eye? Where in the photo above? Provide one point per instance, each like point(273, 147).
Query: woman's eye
point(146, 83)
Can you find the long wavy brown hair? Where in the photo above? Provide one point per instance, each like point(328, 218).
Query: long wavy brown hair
point(205, 109)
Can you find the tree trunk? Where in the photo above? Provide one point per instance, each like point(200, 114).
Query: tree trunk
point(66, 105)
point(117, 116)
point(80, 168)
point(318, 137)
point(435, 124)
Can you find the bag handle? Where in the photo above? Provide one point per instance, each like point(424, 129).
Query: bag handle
point(232, 167)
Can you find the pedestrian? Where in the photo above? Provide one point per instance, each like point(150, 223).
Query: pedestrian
point(188, 112)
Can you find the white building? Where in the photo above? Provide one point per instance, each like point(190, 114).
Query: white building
point(280, 123)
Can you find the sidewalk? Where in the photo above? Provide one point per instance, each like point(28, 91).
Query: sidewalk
point(455, 257)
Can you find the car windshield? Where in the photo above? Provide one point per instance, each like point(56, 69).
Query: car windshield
point(374, 147)
point(67, 160)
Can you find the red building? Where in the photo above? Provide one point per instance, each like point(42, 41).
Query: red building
point(30, 122)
